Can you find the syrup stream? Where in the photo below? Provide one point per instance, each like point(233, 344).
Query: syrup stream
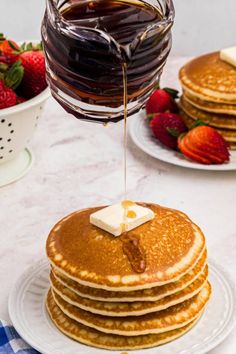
point(131, 246)
point(124, 70)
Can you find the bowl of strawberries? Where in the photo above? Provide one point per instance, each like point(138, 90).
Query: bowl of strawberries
point(23, 93)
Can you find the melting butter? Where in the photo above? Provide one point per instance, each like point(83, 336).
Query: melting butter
point(118, 218)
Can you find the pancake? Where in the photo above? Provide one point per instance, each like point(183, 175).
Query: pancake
point(152, 294)
point(229, 135)
point(212, 107)
point(158, 322)
point(210, 79)
point(213, 119)
point(171, 245)
point(121, 309)
point(92, 337)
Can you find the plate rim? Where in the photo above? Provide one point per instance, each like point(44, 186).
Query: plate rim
point(189, 164)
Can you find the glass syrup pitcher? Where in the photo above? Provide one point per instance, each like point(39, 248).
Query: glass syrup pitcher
point(89, 43)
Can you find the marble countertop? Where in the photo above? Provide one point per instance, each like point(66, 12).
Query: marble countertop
point(79, 164)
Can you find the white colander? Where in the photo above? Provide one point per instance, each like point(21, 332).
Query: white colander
point(17, 125)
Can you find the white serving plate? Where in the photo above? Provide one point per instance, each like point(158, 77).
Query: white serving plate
point(29, 317)
point(141, 135)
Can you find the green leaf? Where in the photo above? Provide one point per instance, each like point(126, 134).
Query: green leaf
point(22, 47)
point(150, 116)
point(3, 67)
point(39, 46)
point(173, 132)
point(12, 45)
point(29, 46)
point(172, 92)
point(198, 123)
point(14, 75)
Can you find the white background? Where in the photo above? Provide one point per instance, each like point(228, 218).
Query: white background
point(200, 26)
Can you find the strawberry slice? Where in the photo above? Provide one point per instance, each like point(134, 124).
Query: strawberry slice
point(191, 154)
point(209, 141)
point(205, 145)
point(202, 152)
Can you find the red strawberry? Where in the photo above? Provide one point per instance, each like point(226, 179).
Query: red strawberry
point(6, 59)
point(20, 100)
point(162, 101)
point(10, 50)
point(34, 80)
point(7, 96)
point(205, 145)
point(167, 127)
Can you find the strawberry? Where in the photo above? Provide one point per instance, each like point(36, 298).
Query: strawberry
point(162, 101)
point(7, 96)
point(205, 145)
point(34, 80)
point(167, 127)
point(21, 99)
point(6, 59)
point(9, 49)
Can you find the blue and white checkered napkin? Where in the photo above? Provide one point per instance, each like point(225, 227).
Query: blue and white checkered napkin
point(11, 342)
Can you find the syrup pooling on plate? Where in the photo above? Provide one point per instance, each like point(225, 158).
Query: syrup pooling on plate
point(86, 43)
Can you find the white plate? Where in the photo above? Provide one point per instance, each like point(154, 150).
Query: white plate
point(29, 317)
point(141, 134)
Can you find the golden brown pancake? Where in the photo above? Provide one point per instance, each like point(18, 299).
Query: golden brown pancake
point(152, 294)
point(209, 78)
point(120, 309)
point(92, 337)
point(157, 322)
point(213, 107)
point(170, 244)
point(213, 119)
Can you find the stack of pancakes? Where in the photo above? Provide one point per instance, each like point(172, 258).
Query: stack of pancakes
point(209, 94)
point(100, 297)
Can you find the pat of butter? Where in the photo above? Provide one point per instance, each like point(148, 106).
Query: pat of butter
point(116, 219)
point(229, 55)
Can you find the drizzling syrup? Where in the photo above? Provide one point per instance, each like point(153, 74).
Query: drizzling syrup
point(134, 252)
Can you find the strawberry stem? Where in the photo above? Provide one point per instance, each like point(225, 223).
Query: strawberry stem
point(173, 132)
point(198, 123)
point(12, 45)
point(2, 37)
point(27, 47)
point(172, 92)
point(150, 116)
point(14, 75)
point(3, 67)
